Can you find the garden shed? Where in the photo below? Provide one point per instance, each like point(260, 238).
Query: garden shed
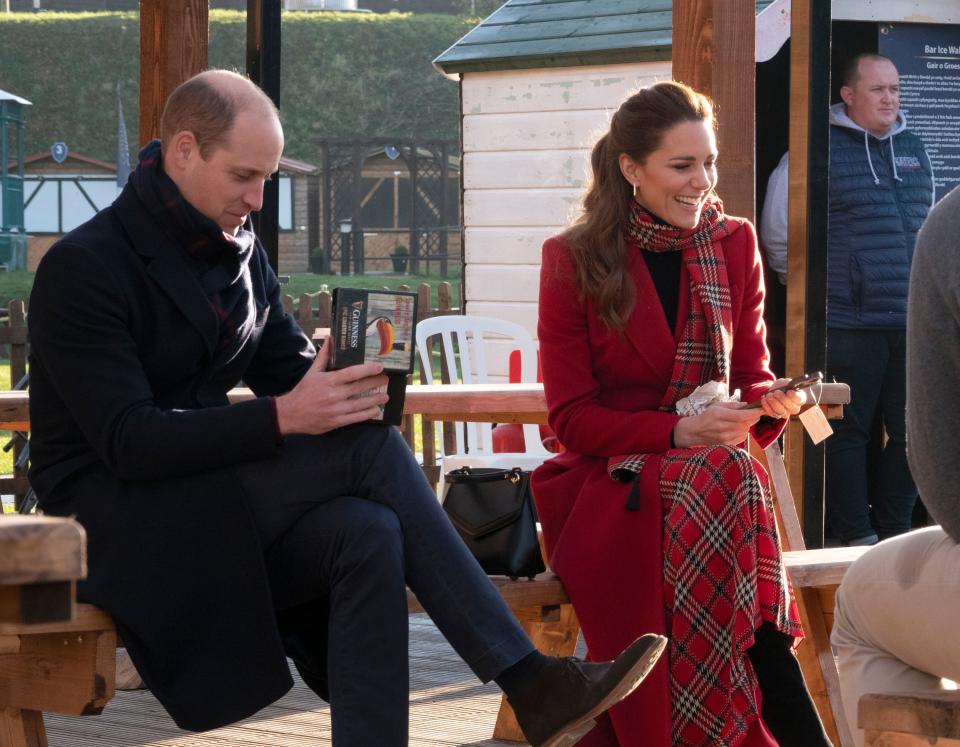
point(61, 194)
point(540, 78)
point(539, 81)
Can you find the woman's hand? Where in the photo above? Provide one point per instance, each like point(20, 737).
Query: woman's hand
point(782, 404)
point(725, 423)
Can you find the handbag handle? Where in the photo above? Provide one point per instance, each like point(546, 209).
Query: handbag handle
point(465, 474)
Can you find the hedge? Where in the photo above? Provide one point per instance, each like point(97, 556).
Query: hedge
point(480, 8)
point(343, 75)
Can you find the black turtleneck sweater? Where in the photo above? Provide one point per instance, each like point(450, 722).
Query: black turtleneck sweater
point(664, 268)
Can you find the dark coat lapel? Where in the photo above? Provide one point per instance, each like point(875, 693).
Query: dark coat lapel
point(166, 265)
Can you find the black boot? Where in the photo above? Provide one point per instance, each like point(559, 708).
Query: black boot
point(787, 708)
point(558, 707)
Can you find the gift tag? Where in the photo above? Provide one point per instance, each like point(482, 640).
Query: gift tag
point(815, 423)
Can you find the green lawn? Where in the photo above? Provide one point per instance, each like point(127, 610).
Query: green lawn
point(18, 284)
point(14, 285)
point(306, 282)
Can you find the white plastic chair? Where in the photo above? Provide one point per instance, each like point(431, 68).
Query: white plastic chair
point(463, 340)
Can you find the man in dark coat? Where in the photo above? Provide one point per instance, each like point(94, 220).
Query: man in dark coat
point(226, 537)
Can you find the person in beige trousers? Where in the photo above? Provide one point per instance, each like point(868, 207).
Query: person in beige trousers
point(898, 606)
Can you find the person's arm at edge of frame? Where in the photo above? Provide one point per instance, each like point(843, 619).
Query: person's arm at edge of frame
point(773, 218)
point(933, 364)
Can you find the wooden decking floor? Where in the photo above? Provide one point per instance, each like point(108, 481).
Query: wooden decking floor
point(448, 706)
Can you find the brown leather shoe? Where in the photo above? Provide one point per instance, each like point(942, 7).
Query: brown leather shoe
point(558, 708)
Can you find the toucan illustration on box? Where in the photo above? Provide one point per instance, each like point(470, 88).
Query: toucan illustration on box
point(380, 330)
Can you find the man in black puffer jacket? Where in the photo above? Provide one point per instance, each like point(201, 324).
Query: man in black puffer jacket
point(881, 189)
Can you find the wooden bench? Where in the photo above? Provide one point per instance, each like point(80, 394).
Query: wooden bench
point(911, 719)
point(542, 605)
point(544, 609)
point(545, 612)
point(55, 655)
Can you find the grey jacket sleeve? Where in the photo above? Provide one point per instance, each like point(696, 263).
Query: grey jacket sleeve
point(933, 364)
point(773, 219)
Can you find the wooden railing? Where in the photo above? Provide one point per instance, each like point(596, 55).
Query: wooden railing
point(313, 310)
point(14, 335)
point(482, 403)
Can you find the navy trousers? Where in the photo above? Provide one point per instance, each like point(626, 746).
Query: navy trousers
point(873, 363)
point(349, 521)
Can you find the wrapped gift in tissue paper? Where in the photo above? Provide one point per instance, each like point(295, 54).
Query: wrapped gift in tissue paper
point(705, 395)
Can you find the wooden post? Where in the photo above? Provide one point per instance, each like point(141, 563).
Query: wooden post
point(807, 236)
point(414, 222)
point(693, 44)
point(17, 321)
point(713, 51)
point(734, 86)
point(444, 218)
point(263, 67)
point(327, 213)
point(173, 46)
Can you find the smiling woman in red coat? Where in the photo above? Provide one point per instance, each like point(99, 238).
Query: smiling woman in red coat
point(656, 520)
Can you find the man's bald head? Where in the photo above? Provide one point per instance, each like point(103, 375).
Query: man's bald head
point(208, 104)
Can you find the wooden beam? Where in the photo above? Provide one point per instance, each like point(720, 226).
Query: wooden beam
point(173, 47)
point(51, 601)
point(71, 673)
point(41, 549)
point(807, 233)
point(263, 67)
point(692, 55)
point(486, 403)
point(22, 728)
point(734, 86)
point(825, 688)
point(87, 618)
point(932, 715)
point(713, 51)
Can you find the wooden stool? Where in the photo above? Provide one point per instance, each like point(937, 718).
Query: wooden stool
point(55, 655)
point(911, 719)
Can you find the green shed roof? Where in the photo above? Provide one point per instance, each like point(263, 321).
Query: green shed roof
point(560, 33)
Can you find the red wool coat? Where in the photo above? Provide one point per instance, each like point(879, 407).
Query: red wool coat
point(603, 389)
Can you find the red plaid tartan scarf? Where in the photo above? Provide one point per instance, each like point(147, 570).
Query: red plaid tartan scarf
point(723, 570)
point(703, 351)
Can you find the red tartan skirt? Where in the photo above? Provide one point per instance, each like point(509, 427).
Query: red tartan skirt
point(720, 575)
point(723, 576)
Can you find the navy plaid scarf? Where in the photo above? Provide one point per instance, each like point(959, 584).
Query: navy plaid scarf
point(221, 262)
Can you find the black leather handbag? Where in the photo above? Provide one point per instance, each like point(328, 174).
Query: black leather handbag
point(493, 511)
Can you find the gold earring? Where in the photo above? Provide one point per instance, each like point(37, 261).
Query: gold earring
point(634, 191)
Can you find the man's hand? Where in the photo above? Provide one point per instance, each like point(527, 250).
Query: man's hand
point(725, 423)
point(324, 400)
